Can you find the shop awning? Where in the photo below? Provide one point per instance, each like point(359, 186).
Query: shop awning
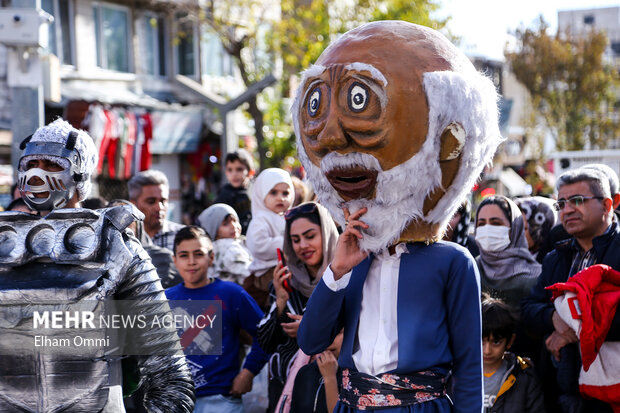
point(176, 132)
point(106, 93)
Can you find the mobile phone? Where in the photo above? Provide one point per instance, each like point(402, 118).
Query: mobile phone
point(285, 283)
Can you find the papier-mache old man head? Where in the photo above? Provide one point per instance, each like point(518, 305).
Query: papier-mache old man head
point(393, 117)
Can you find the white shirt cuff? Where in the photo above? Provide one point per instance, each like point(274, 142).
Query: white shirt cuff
point(335, 285)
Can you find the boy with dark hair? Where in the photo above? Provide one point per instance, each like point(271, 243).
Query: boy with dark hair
point(510, 384)
point(219, 383)
point(239, 170)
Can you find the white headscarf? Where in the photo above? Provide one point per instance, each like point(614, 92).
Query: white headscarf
point(265, 181)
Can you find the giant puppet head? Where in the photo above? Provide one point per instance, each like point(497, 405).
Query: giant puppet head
point(394, 118)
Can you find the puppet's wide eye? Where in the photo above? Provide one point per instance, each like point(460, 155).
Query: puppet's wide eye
point(539, 218)
point(358, 97)
point(314, 102)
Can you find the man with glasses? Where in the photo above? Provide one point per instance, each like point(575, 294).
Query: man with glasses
point(586, 211)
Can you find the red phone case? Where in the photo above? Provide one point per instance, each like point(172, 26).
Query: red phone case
point(285, 283)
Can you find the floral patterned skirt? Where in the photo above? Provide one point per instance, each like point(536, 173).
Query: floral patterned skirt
point(393, 392)
point(441, 405)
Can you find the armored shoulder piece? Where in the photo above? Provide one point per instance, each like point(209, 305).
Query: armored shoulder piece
point(63, 236)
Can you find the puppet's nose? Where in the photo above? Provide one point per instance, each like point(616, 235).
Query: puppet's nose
point(332, 136)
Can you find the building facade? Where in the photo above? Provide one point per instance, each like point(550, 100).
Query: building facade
point(133, 70)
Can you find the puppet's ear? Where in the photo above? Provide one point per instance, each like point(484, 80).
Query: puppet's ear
point(452, 141)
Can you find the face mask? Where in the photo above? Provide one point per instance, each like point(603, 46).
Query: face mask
point(493, 237)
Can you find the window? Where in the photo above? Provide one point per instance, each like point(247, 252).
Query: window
point(589, 19)
point(112, 37)
point(153, 44)
point(186, 45)
point(215, 60)
point(60, 31)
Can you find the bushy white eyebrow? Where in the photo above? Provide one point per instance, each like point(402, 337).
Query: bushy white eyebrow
point(312, 71)
point(365, 67)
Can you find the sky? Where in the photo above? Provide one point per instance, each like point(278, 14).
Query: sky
point(483, 25)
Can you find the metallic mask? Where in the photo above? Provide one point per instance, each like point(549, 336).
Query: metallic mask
point(61, 185)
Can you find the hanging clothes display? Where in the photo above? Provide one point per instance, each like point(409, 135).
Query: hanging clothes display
point(122, 137)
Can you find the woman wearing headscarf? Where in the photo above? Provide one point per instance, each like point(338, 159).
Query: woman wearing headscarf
point(540, 217)
point(507, 268)
point(310, 237)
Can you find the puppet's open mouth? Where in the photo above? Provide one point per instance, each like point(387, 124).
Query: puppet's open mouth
point(353, 183)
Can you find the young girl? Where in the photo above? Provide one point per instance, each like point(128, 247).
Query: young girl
point(272, 195)
point(232, 259)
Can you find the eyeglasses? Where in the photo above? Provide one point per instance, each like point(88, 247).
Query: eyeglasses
point(302, 209)
point(575, 201)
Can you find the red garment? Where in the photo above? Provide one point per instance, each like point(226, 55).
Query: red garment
point(111, 154)
point(147, 128)
point(105, 140)
point(598, 293)
point(199, 161)
point(75, 112)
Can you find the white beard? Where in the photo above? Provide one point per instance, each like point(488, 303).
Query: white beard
point(399, 197)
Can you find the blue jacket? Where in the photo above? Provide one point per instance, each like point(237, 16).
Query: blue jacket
point(439, 322)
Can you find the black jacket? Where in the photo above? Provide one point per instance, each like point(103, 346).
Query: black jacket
point(537, 308)
point(520, 391)
point(239, 199)
point(309, 390)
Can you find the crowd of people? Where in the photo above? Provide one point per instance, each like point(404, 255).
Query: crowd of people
point(261, 251)
point(349, 304)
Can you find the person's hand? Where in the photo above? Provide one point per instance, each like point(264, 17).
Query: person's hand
point(564, 329)
point(555, 342)
point(328, 365)
point(348, 253)
point(291, 328)
point(279, 275)
point(242, 383)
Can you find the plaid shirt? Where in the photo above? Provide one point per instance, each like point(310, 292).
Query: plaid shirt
point(583, 259)
point(165, 237)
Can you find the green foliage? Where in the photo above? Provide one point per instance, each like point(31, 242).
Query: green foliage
point(251, 35)
point(308, 26)
point(279, 137)
point(573, 90)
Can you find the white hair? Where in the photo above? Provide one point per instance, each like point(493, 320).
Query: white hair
point(469, 99)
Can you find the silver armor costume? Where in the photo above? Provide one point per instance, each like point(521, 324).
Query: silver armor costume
point(77, 255)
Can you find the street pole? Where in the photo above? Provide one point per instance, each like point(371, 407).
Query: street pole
point(26, 99)
point(229, 141)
